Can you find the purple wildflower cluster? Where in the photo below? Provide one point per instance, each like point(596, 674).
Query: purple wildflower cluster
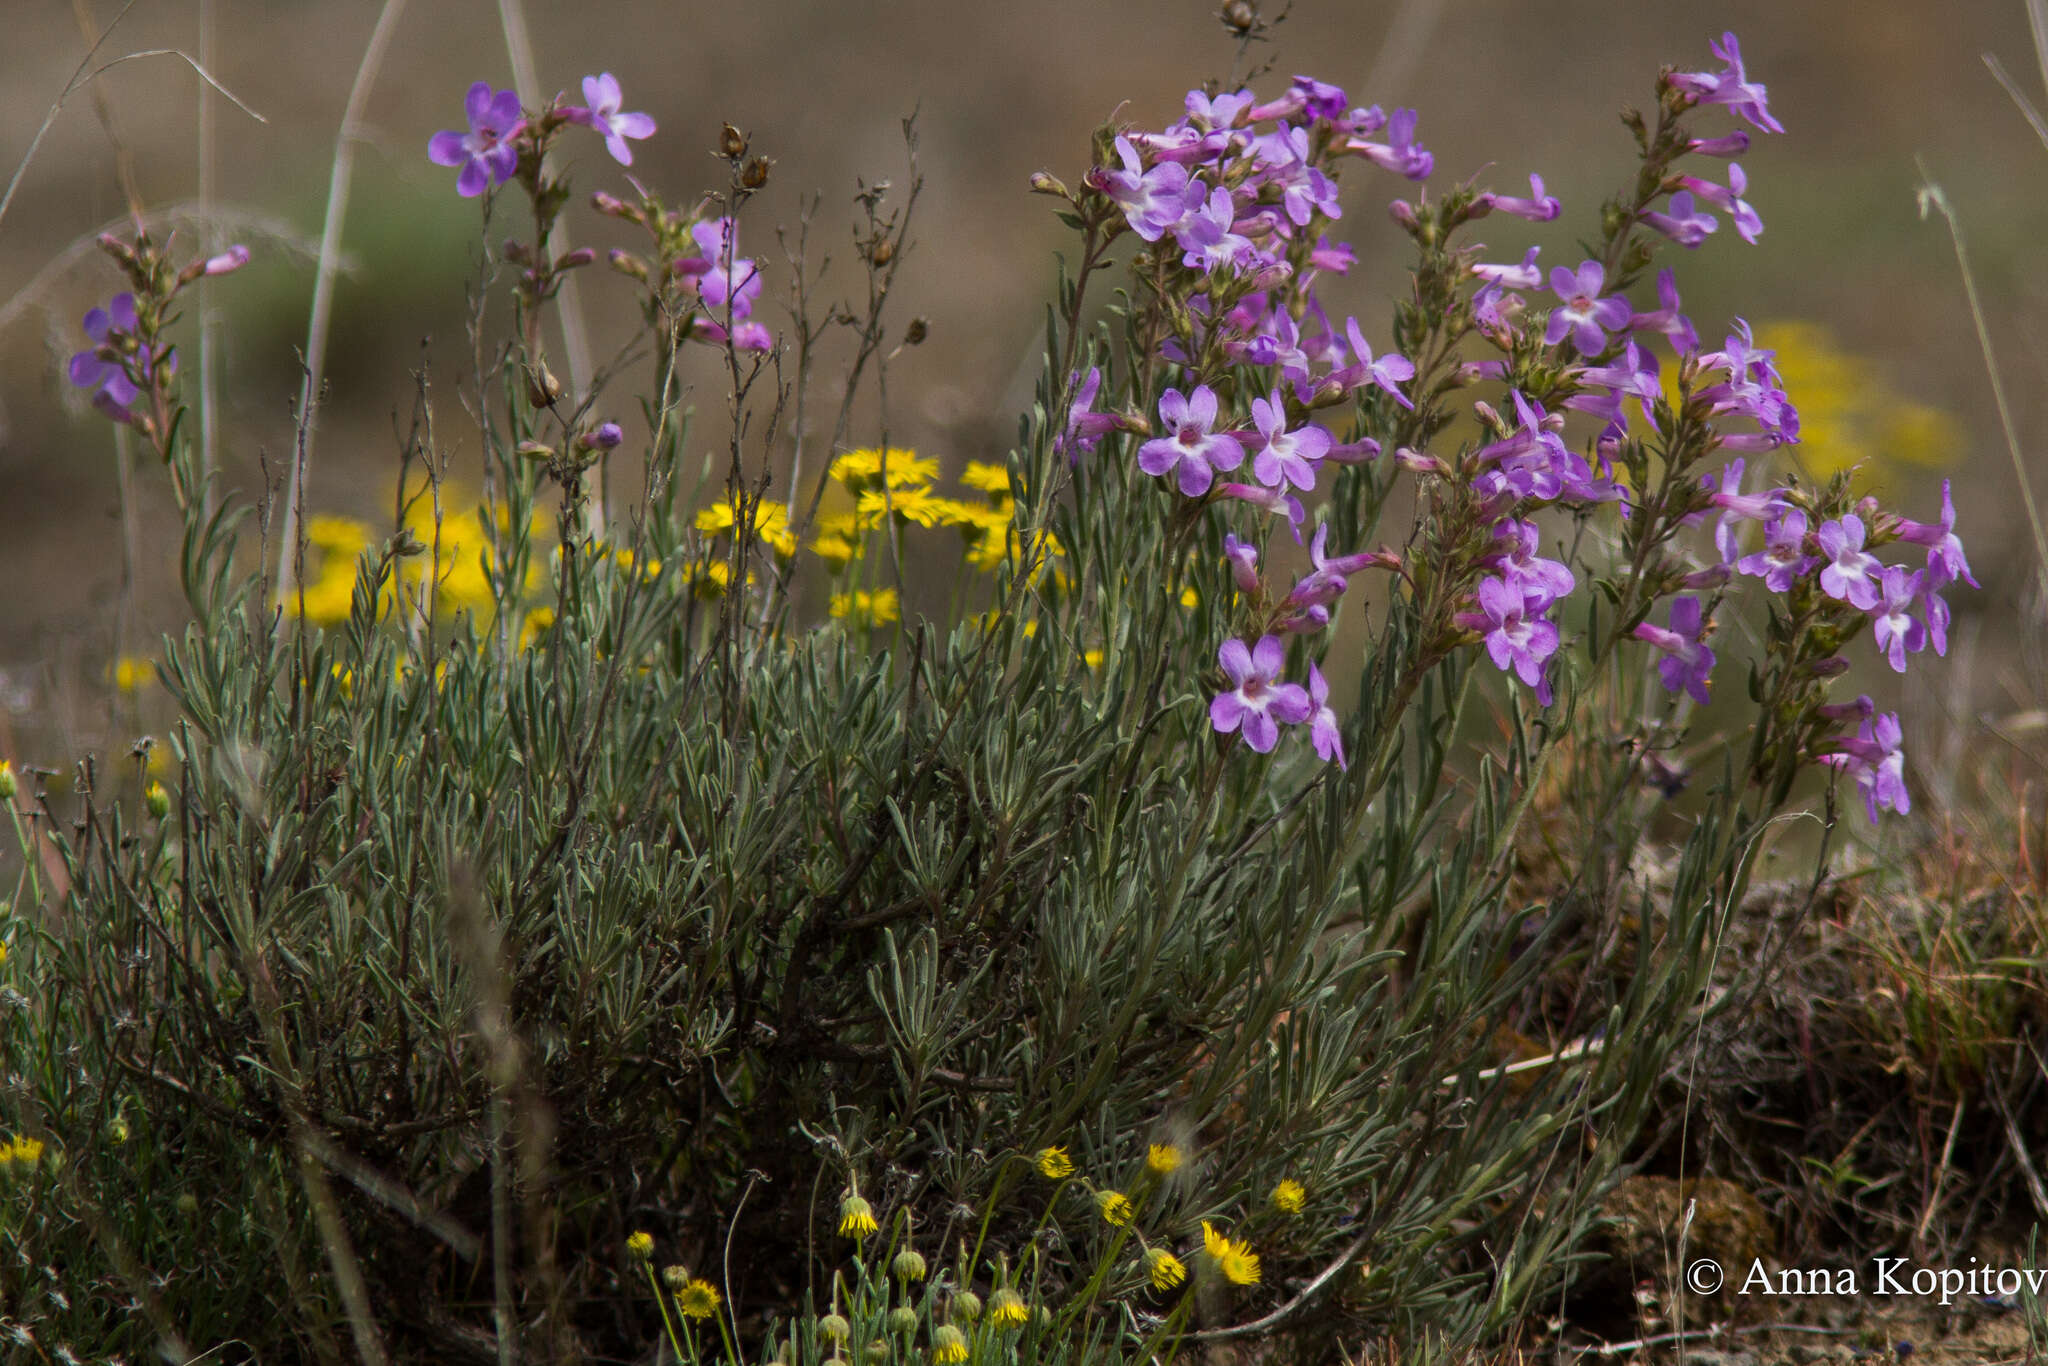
point(489, 152)
point(1232, 202)
point(128, 360)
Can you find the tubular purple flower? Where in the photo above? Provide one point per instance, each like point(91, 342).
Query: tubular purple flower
point(723, 277)
point(1257, 702)
point(1207, 239)
point(1874, 759)
point(1336, 258)
point(1687, 224)
point(1730, 86)
point(1517, 636)
point(602, 94)
point(1537, 208)
point(1400, 153)
point(1086, 427)
point(1324, 730)
point(1945, 560)
point(1389, 372)
point(485, 153)
point(1244, 563)
point(1527, 275)
point(1687, 660)
point(1848, 574)
point(1285, 457)
point(1583, 313)
point(1728, 199)
point(229, 261)
point(1893, 625)
point(607, 437)
point(1783, 559)
point(1272, 500)
point(1729, 145)
point(1192, 446)
point(1675, 326)
point(1514, 558)
point(1155, 201)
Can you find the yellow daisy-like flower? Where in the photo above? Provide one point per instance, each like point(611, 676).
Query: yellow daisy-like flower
point(1289, 1196)
point(1233, 1256)
point(1006, 1309)
point(1114, 1207)
point(343, 536)
point(535, 626)
point(698, 1299)
point(1162, 1159)
point(1053, 1163)
point(134, 672)
point(1165, 1269)
point(856, 1218)
point(864, 608)
point(906, 468)
point(771, 524)
point(919, 505)
point(641, 1244)
point(987, 477)
point(949, 1345)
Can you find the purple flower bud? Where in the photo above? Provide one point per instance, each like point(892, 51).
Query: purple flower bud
point(233, 259)
point(606, 438)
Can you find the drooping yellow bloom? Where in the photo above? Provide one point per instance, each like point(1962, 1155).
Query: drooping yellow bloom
point(1289, 1196)
point(1165, 1269)
point(1053, 1163)
point(1233, 1256)
point(1162, 1159)
point(856, 1218)
point(698, 1299)
point(1114, 1207)
point(949, 1345)
point(856, 469)
point(1006, 1309)
point(864, 608)
point(919, 505)
point(770, 523)
point(987, 477)
point(640, 1243)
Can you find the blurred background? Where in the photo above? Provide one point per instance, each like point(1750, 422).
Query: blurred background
point(1862, 296)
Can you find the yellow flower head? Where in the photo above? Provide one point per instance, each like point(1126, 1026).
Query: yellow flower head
point(698, 1299)
point(857, 468)
point(987, 477)
point(26, 1151)
point(1232, 1256)
point(134, 672)
point(1053, 1163)
point(949, 1345)
point(1162, 1159)
point(771, 523)
point(1114, 1207)
point(7, 782)
point(1190, 599)
point(1006, 1309)
point(641, 1244)
point(919, 505)
point(864, 608)
point(1289, 1196)
point(856, 1218)
point(1165, 1269)
point(3, 953)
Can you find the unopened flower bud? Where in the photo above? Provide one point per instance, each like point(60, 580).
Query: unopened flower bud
point(835, 1327)
point(918, 330)
point(537, 451)
point(543, 390)
point(1829, 667)
point(613, 205)
point(754, 174)
point(234, 258)
point(606, 438)
point(908, 1265)
point(732, 143)
point(157, 800)
point(570, 260)
point(966, 1306)
point(117, 1131)
point(675, 1277)
point(903, 1319)
point(116, 248)
point(1403, 213)
point(7, 784)
point(188, 1203)
point(1240, 17)
point(626, 263)
point(883, 252)
point(1711, 577)
point(877, 1351)
point(1045, 182)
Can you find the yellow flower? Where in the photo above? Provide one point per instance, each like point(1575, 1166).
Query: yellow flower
point(1092, 658)
point(864, 608)
point(641, 1244)
point(1289, 1196)
point(133, 672)
point(1165, 1269)
point(856, 1218)
point(771, 524)
point(1189, 598)
point(1162, 1159)
point(698, 1299)
point(987, 477)
point(1053, 1163)
point(3, 953)
point(1006, 1309)
point(27, 1151)
point(8, 786)
point(949, 1345)
point(1233, 1256)
point(1114, 1207)
point(156, 800)
point(343, 536)
point(856, 468)
point(919, 505)
point(535, 626)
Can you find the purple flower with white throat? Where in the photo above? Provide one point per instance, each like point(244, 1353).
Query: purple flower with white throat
point(1874, 759)
point(1389, 372)
point(1155, 201)
point(1687, 660)
point(485, 153)
point(1514, 558)
point(1783, 560)
point(1728, 199)
point(603, 116)
point(1584, 314)
point(1285, 457)
point(1257, 701)
point(1632, 375)
point(1324, 730)
point(1892, 623)
point(1191, 445)
point(1517, 635)
point(1945, 560)
point(1206, 239)
point(1849, 574)
point(1687, 224)
point(1730, 86)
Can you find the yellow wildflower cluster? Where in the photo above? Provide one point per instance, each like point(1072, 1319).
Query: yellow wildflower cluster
point(457, 552)
point(864, 608)
point(21, 1154)
point(1231, 1256)
point(907, 497)
point(769, 522)
point(1848, 413)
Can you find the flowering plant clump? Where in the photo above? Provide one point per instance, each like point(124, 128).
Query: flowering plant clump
point(1151, 938)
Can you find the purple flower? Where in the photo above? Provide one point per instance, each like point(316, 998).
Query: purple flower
point(233, 259)
point(1847, 576)
point(1244, 563)
point(1892, 622)
point(1729, 200)
point(1389, 372)
point(1687, 224)
point(1085, 426)
point(485, 153)
point(723, 278)
point(1272, 500)
point(1257, 701)
point(1514, 557)
point(1400, 153)
point(1324, 731)
point(1730, 86)
point(1687, 660)
point(1675, 326)
point(1206, 239)
point(1874, 759)
point(112, 388)
point(1736, 506)
point(1935, 613)
point(1783, 558)
point(1537, 208)
point(1220, 112)
point(1285, 457)
point(1517, 636)
point(607, 437)
point(1632, 376)
point(1945, 560)
point(1527, 275)
point(1584, 313)
point(1191, 445)
point(1336, 258)
point(1155, 201)
point(603, 116)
